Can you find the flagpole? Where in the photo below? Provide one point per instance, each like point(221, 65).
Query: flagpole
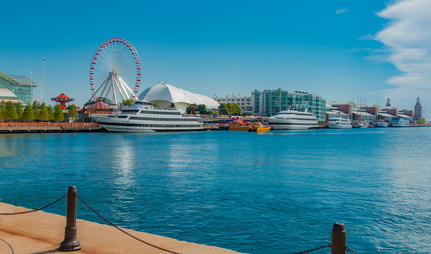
point(31, 82)
point(43, 73)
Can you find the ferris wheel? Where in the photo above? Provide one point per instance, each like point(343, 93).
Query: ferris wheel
point(115, 69)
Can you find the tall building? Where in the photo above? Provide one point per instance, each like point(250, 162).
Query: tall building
point(244, 102)
point(16, 88)
point(418, 110)
point(270, 102)
point(388, 103)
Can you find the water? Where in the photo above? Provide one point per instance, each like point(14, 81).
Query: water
point(279, 192)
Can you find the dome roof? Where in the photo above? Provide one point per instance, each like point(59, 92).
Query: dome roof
point(165, 92)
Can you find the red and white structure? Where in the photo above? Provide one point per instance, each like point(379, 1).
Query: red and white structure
point(115, 71)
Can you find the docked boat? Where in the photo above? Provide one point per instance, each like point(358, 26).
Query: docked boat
point(239, 126)
point(143, 117)
point(293, 120)
point(381, 124)
point(339, 123)
point(359, 124)
point(258, 127)
point(400, 122)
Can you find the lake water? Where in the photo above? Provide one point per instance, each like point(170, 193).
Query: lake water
point(278, 192)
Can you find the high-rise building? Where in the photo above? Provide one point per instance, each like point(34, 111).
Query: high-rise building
point(270, 102)
point(418, 110)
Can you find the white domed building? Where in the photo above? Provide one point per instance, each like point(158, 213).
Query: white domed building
point(164, 95)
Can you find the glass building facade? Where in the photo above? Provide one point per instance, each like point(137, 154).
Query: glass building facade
point(21, 86)
point(273, 101)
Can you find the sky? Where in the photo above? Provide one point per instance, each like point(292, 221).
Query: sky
point(365, 50)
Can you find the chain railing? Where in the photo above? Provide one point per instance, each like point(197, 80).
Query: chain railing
point(71, 243)
point(34, 210)
point(134, 237)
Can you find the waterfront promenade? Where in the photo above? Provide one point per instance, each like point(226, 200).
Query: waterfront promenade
point(42, 232)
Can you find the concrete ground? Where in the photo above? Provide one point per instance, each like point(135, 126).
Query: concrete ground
point(41, 233)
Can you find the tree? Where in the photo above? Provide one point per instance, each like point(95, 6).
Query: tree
point(51, 113)
point(127, 102)
point(43, 113)
point(35, 110)
point(202, 109)
point(72, 112)
point(236, 109)
point(19, 110)
point(155, 105)
point(103, 99)
point(28, 114)
point(420, 121)
point(2, 110)
point(10, 112)
point(58, 113)
point(189, 108)
point(223, 109)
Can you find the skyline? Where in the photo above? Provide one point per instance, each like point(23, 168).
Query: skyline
point(340, 51)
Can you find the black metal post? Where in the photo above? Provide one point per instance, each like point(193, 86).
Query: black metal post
point(338, 242)
point(70, 242)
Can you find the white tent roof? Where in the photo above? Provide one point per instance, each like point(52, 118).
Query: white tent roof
point(165, 92)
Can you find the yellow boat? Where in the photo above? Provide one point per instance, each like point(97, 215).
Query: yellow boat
point(240, 126)
point(258, 127)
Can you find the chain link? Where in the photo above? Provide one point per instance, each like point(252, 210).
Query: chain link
point(350, 250)
point(310, 250)
point(35, 210)
point(134, 237)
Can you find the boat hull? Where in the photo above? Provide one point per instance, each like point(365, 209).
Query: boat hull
point(338, 126)
point(292, 124)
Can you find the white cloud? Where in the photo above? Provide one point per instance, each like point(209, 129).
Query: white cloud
point(339, 11)
point(366, 37)
point(407, 37)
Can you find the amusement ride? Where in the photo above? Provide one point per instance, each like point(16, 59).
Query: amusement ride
point(115, 71)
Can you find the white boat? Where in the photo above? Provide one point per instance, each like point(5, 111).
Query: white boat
point(381, 124)
point(339, 123)
point(359, 124)
point(400, 122)
point(293, 120)
point(143, 117)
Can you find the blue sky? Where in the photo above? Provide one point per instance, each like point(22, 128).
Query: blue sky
point(341, 50)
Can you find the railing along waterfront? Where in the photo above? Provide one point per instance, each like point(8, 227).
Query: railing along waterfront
point(71, 242)
point(23, 124)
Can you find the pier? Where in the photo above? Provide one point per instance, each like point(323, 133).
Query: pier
point(49, 127)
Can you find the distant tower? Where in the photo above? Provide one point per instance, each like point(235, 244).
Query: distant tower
point(418, 110)
point(388, 103)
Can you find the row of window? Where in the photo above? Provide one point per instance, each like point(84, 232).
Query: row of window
point(153, 125)
point(233, 100)
point(158, 112)
point(163, 119)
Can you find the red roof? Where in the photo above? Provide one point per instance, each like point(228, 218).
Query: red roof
point(62, 97)
point(100, 104)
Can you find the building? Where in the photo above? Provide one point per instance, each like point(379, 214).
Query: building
point(270, 102)
point(16, 88)
point(244, 102)
point(165, 95)
point(418, 110)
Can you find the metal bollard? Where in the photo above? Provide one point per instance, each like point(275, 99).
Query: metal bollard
point(338, 241)
point(70, 242)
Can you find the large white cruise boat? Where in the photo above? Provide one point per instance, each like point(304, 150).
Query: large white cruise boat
point(143, 117)
point(293, 120)
point(339, 123)
point(399, 122)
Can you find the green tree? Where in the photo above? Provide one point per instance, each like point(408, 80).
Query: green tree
point(202, 109)
point(236, 109)
point(51, 113)
point(420, 121)
point(2, 110)
point(35, 110)
point(72, 112)
point(223, 109)
point(43, 113)
point(155, 105)
point(127, 102)
point(10, 111)
point(19, 110)
point(28, 114)
point(58, 113)
point(189, 108)
point(103, 99)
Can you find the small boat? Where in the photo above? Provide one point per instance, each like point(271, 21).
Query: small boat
point(239, 126)
point(339, 123)
point(381, 124)
point(258, 127)
point(359, 124)
point(399, 122)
